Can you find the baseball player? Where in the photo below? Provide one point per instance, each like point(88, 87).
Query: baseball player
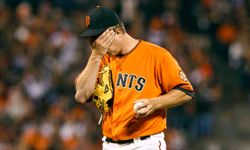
point(145, 81)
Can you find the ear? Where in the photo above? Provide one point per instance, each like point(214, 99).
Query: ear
point(119, 31)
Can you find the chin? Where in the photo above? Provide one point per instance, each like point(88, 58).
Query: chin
point(111, 53)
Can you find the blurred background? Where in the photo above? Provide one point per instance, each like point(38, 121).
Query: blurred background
point(41, 54)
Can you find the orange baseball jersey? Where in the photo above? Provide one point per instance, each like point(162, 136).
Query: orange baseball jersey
point(146, 71)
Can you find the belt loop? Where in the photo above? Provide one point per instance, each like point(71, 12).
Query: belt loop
point(104, 139)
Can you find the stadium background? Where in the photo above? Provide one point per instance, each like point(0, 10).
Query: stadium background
point(41, 54)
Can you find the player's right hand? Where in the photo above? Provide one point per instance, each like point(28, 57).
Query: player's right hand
point(146, 107)
point(101, 45)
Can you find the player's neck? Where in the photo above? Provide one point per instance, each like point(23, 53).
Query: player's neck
point(128, 44)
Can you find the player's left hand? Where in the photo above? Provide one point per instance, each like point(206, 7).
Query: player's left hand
point(147, 108)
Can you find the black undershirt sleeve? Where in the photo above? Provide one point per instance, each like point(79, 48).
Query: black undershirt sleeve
point(190, 93)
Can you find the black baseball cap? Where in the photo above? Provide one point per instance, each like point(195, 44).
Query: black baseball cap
point(98, 20)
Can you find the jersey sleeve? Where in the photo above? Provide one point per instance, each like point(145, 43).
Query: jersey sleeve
point(103, 62)
point(171, 76)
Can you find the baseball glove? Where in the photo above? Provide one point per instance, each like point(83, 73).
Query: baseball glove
point(103, 93)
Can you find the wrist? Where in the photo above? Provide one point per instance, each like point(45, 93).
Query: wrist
point(95, 56)
point(157, 103)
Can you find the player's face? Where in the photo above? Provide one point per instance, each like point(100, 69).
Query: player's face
point(115, 47)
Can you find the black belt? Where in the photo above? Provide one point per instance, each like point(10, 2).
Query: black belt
point(125, 141)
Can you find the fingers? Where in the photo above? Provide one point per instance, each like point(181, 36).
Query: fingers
point(104, 34)
point(106, 38)
point(143, 112)
point(110, 39)
point(103, 42)
point(145, 108)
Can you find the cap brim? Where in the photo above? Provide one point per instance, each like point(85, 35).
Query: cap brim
point(91, 33)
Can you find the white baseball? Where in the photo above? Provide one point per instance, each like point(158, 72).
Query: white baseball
point(137, 106)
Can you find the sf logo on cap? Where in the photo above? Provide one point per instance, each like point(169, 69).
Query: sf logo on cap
point(87, 21)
